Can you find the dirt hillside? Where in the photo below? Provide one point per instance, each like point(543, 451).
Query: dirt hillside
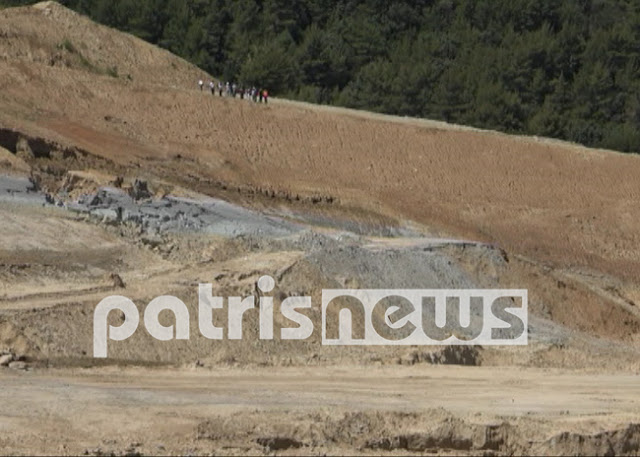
point(119, 176)
point(550, 201)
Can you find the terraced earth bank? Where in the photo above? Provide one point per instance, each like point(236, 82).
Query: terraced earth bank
point(119, 177)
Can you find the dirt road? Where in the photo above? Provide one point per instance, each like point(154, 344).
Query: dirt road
point(111, 408)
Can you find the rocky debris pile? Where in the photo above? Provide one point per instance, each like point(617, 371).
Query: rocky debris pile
point(625, 441)
point(10, 359)
point(117, 280)
point(432, 431)
point(132, 450)
point(77, 183)
point(23, 150)
point(453, 434)
point(136, 207)
point(457, 355)
point(140, 190)
point(277, 443)
point(447, 355)
point(18, 189)
point(12, 164)
point(170, 214)
point(369, 431)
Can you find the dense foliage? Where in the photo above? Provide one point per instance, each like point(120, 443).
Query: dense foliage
point(560, 68)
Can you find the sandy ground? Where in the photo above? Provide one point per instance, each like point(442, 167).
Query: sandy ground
point(164, 411)
point(118, 176)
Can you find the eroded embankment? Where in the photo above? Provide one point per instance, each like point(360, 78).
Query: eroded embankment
point(146, 245)
point(66, 172)
point(153, 237)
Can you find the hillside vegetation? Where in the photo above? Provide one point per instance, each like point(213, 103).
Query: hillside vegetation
point(563, 69)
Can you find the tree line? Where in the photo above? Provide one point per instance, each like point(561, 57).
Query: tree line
point(566, 69)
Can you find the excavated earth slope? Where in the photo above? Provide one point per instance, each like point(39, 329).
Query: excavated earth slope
point(119, 176)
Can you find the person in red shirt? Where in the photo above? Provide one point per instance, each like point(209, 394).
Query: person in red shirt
point(265, 95)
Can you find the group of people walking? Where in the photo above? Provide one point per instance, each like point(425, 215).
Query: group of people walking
point(258, 95)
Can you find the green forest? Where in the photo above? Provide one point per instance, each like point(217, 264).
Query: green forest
point(566, 69)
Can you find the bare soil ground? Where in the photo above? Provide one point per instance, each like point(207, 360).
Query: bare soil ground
point(317, 197)
point(311, 411)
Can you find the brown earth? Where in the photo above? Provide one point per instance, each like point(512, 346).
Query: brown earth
point(551, 201)
point(83, 106)
point(311, 411)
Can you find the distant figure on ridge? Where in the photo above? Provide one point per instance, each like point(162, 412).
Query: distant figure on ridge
point(201, 83)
